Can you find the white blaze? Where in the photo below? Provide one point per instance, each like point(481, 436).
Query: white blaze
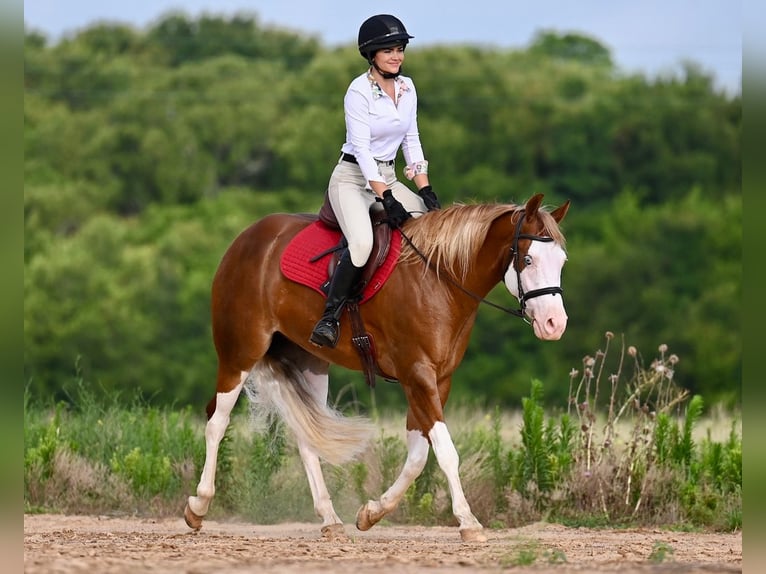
point(543, 269)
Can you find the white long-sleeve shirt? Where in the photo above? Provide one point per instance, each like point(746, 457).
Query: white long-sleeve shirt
point(376, 126)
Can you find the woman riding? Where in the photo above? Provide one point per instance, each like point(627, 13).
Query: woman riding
point(381, 116)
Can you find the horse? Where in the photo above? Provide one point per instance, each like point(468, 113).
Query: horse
point(420, 319)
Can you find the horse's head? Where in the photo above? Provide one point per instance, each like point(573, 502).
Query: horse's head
point(534, 274)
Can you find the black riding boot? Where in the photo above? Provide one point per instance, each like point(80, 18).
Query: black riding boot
point(344, 278)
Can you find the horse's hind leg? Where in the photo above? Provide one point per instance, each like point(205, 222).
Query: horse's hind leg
point(229, 386)
point(417, 456)
point(332, 525)
point(315, 372)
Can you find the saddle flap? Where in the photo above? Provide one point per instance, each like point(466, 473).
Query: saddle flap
point(381, 241)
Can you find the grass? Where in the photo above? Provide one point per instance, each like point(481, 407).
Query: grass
point(661, 552)
point(529, 552)
point(630, 448)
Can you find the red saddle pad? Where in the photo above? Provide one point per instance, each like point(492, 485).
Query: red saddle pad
point(297, 266)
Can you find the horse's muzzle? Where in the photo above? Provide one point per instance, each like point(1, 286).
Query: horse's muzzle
point(551, 323)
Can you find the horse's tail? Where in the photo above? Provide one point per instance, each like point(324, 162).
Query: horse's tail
point(277, 386)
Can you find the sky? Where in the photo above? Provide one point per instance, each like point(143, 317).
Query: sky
point(653, 37)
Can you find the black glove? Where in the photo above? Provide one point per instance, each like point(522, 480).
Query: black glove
point(429, 197)
point(395, 212)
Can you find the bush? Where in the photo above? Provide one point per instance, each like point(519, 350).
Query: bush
point(626, 449)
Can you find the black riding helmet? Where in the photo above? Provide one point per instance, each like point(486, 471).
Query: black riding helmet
point(381, 31)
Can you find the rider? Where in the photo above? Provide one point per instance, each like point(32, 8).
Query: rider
point(381, 116)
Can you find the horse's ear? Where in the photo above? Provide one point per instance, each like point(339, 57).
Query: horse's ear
point(559, 213)
point(533, 205)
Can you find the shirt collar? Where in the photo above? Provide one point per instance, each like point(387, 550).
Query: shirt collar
point(377, 91)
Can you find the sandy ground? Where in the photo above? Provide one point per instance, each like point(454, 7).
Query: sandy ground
point(55, 544)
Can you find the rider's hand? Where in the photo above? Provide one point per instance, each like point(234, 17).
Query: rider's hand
point(395, 212)
point(429, 198)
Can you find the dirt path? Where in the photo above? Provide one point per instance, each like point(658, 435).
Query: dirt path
point(55, 544)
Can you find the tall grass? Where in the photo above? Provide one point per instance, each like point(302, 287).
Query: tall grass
point(87, 456)
point(630, 447)
point(639, 460)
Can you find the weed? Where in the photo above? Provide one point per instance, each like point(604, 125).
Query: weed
point(525, 554)
point(661, 552)
point(555, 556)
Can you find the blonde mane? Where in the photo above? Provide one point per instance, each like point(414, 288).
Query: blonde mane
point(451, 238)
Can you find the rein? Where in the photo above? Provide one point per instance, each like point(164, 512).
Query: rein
point(523, 297)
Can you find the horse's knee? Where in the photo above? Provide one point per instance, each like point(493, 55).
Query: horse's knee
point(417, 450)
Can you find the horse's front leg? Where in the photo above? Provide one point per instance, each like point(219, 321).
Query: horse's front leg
point(449, 461)
point(197, 506)
point(426, 400)
point(417, 456)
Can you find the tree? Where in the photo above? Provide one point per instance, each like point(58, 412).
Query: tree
point(147, 151)
point(571, 46)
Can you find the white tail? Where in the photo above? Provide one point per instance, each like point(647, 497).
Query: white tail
point(277, 386)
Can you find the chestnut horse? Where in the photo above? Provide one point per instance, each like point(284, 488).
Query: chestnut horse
point(420, 320)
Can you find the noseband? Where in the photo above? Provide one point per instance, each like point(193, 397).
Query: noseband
point(524, 297)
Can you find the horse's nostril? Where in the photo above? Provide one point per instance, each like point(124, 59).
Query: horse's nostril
point(554, 324)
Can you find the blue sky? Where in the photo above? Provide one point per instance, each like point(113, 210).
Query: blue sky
point(648, 36)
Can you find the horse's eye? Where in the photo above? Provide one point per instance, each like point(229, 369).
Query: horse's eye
point(527, 260)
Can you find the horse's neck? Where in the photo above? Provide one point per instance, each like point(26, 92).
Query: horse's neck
point(494, 256)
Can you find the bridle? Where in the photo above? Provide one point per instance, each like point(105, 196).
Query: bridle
point(523, 297)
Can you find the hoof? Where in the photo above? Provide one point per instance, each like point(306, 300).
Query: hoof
point(473, 535)
point(335, 532)
point(366, 517)
point(193, 521)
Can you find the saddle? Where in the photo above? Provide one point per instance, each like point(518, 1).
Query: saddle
point(381, 243)
point(362, 340)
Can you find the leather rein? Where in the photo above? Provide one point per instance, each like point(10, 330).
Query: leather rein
point(523, 296)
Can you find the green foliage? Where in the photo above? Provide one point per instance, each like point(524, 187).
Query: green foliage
point(419, 508)
point(359, 475)
point(571, 46)
point(41, 443)
point(142, 453)
point(145, 471)
point(183, 40)
point(661, 552)
point(248, 472)
point(529, 552)
point(545, 455)
point(647, 466)
point(659, 471)
point(644, 264)
point(525, 554)
point(391, 452)
point(498, 462)
point(419, 504)
point(685, 447)
point(536, 450)
point(147, 151)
